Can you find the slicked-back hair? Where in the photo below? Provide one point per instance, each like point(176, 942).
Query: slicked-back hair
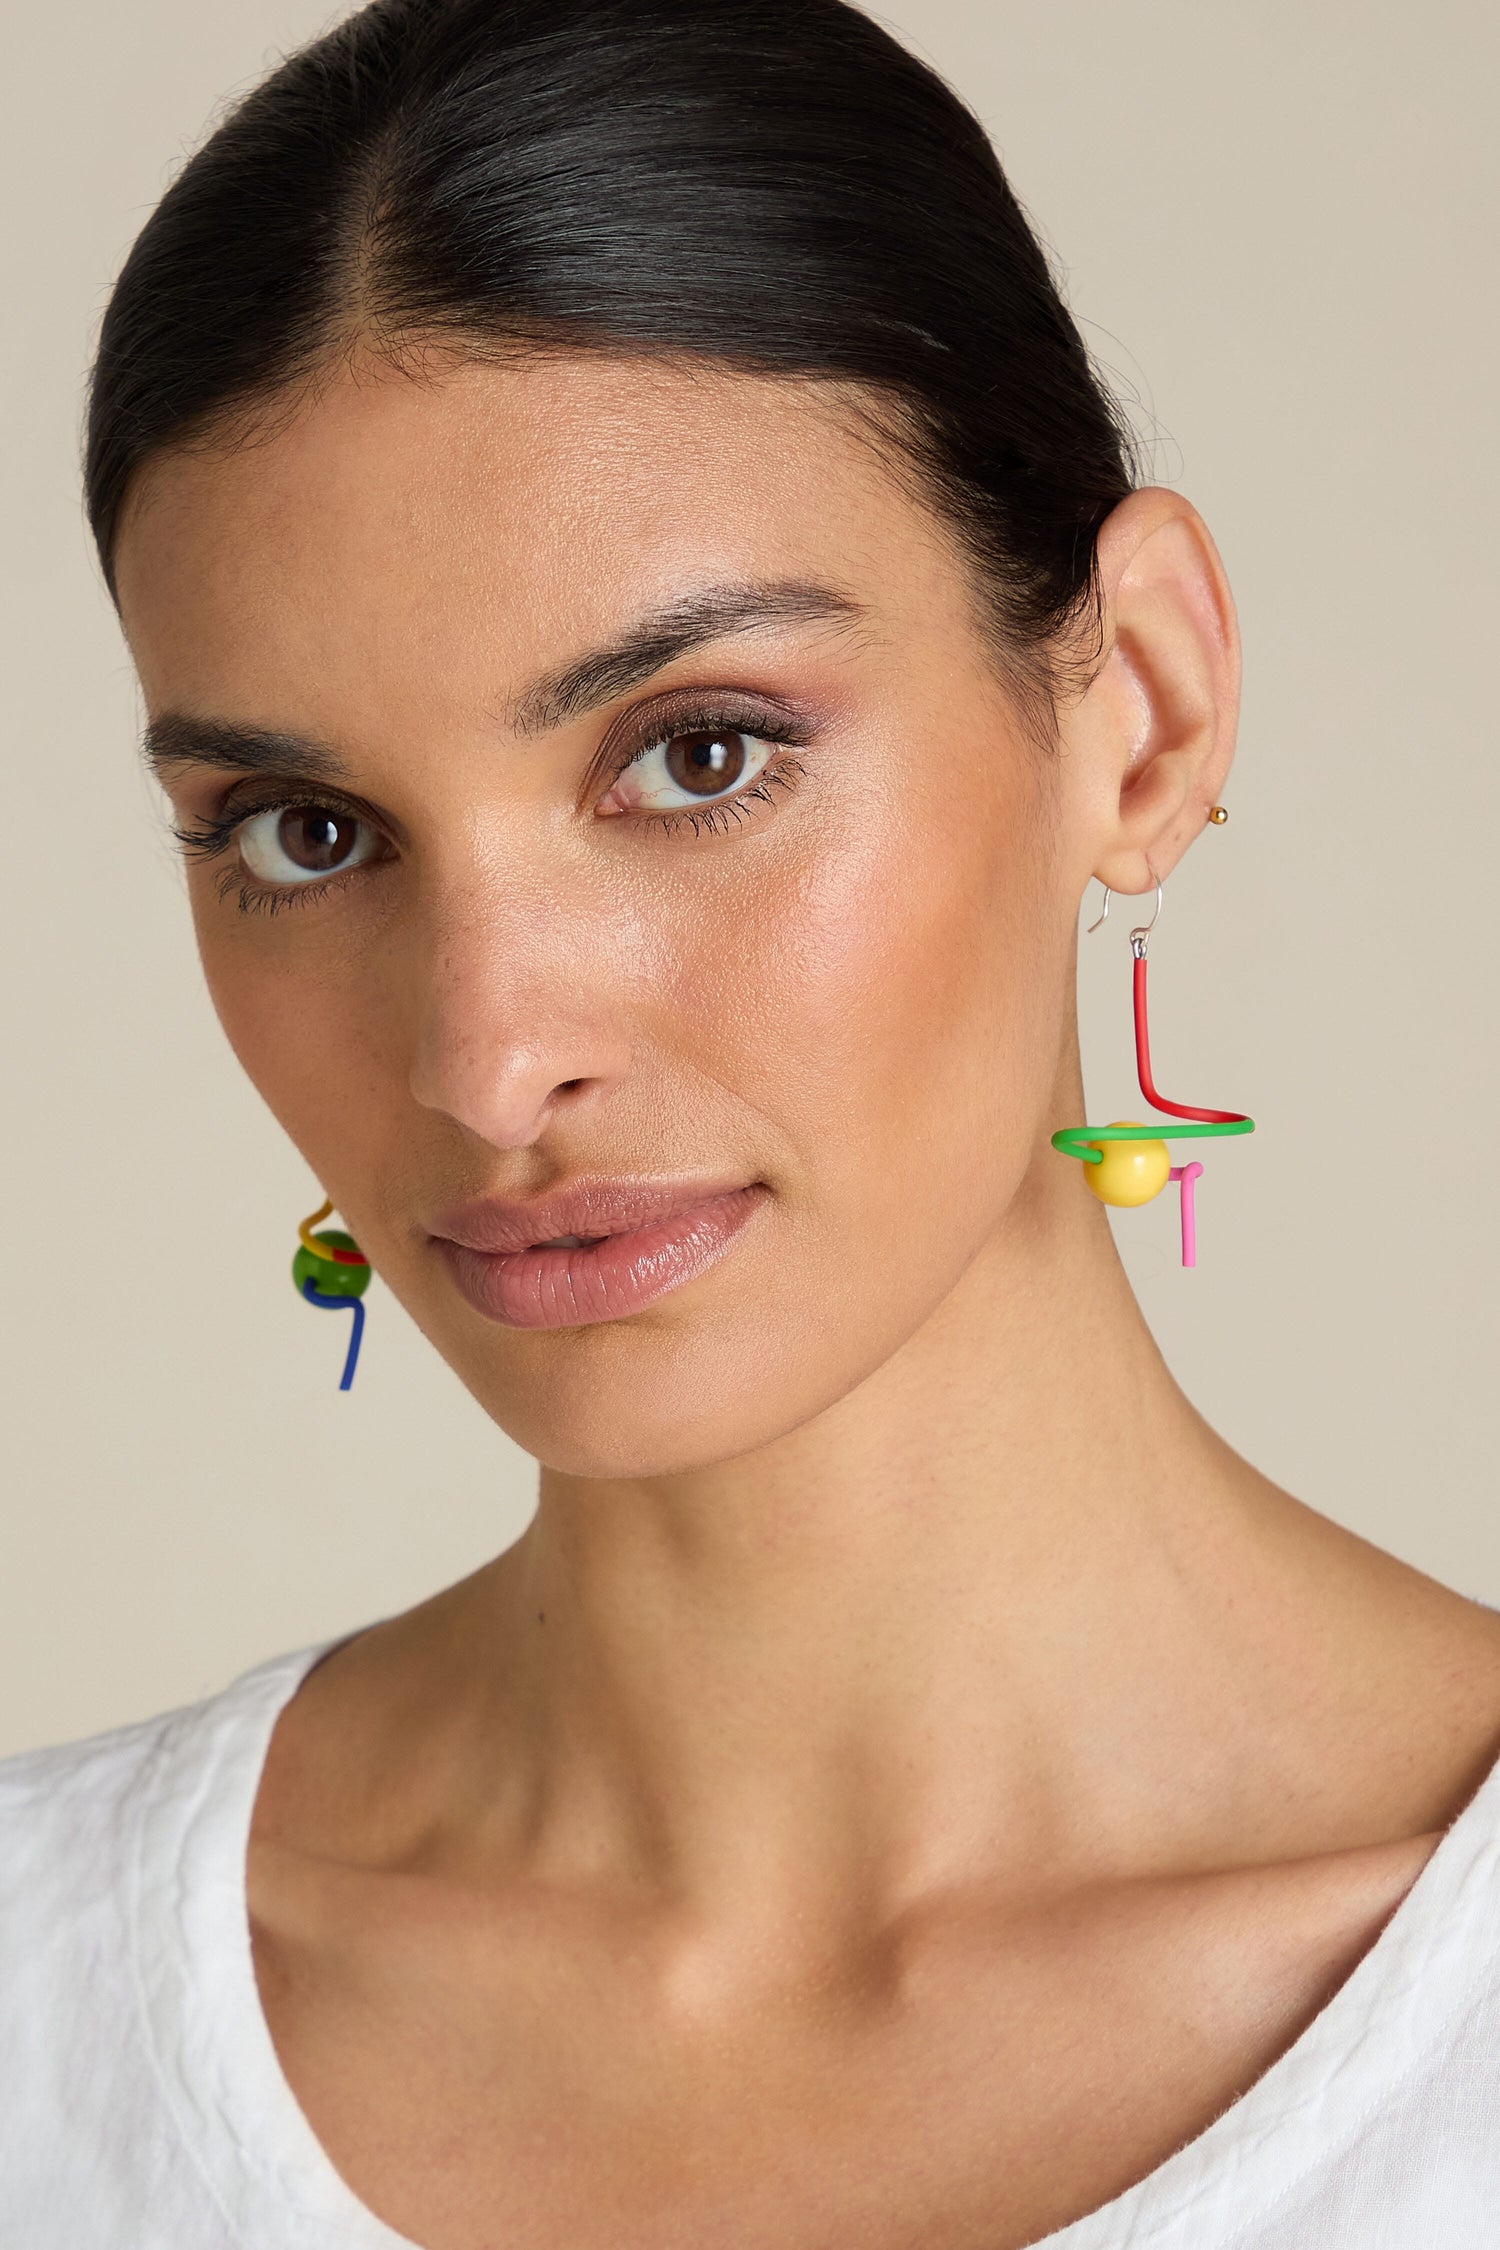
point(777, 186)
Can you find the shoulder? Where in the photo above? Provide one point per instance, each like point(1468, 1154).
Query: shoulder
point(65, 1778)
point(89, 1828)
point(115, 1852)
point(64, 1820)
point(74, 1816)
point(74, 2061)
point(66, 1826)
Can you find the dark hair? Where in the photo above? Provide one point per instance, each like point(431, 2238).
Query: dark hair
point(773, 184)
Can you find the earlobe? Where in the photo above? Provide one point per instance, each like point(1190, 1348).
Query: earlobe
point(1160, 733)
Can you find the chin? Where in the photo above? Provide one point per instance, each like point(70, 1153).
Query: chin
point(636, 1399)
point(631, 1431)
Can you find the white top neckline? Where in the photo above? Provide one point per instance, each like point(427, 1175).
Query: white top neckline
point(272, 2180)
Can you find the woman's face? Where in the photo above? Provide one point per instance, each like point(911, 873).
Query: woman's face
point(613, 825)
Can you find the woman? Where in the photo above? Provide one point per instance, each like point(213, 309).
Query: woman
point(648, 634)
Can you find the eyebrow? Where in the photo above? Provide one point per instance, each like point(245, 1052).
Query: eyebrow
point(663, 635)
point(176, 740)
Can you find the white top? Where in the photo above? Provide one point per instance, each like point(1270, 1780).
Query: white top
point(142, 2106)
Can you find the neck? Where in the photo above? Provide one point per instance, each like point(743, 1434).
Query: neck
point(971, 1610)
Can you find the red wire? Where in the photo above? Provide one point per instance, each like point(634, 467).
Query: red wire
point(1143, 1064)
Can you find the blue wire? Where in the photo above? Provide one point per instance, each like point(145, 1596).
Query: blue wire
point(315, 1296)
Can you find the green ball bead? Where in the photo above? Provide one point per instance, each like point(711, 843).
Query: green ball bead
point(333, 1280)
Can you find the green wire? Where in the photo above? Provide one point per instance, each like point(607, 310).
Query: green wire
point(1074, 1140)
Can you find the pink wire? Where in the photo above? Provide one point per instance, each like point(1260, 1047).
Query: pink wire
point(1185, 1175)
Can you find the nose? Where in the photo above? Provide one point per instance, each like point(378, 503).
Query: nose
point(510, 1032)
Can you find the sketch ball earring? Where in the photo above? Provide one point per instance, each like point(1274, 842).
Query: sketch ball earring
point(1128, 1163)
point(331, 1271)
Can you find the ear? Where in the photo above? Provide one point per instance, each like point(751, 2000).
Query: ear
point(1148, 745)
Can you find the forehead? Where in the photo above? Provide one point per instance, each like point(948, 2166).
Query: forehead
point(480, 518)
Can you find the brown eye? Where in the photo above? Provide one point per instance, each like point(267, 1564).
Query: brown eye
point(317, 841)
point(693, 767)
point(289, 844)
point(706, 764)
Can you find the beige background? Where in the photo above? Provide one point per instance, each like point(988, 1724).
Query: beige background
point(1276, 220)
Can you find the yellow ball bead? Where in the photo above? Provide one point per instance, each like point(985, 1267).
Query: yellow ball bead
point(1132, 1171)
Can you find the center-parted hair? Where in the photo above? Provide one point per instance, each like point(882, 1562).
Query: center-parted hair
point(774, 185)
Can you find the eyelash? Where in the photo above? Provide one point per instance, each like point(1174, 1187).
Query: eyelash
point(718, 816)
point(215, 833)
point(716, 819)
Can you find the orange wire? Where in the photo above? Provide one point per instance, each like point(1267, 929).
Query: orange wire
point(325, 1250)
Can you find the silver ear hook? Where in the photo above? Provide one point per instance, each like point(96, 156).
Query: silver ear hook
point(1138, 936)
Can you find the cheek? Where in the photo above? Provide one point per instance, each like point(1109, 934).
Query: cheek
point(876, 1007)
point(307, 1029)
point(894, 1004)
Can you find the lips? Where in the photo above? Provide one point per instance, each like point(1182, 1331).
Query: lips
point(597, 1250)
